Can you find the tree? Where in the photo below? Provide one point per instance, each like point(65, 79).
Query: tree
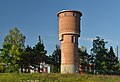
point(86, 60)
point(27, 59)
point(13, 46)
point(34, 57)
point(98, 44)
point(2, 67)
point(39, 53)
point(100, 53)
point(112, 60)
point(83, 57)
point(55, 59)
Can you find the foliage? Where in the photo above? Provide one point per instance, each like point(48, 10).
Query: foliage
point(26, 59)
point(112, 60)
point(100, 53)
point(98, 44)
point(83, 57)
point(34, 56)
point(55, 59)
point(13, 46)
point(104, 60)
point(39, 54)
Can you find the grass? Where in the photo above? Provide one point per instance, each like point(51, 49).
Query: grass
point(27, 77)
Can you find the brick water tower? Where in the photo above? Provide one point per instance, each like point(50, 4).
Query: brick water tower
point(69, 32)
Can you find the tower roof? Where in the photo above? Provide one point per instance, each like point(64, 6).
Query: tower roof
point(69, 11)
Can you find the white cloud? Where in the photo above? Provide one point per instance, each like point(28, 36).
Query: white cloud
point(87, 39)
point(111, 42)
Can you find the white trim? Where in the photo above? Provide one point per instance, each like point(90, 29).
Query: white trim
point(62, 11)
point(64, 33)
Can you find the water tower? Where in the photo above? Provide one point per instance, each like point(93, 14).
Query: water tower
point(69, 32)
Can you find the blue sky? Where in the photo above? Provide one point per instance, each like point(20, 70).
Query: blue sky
point(38, 17)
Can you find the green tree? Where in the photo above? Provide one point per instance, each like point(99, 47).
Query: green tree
point(39, 53)
point(2, 67)
point(112, 60)
point(13, 46)
point(27, 59)
point(83, 57)
point(34, 57)
point(100, 54)
point(55, 59)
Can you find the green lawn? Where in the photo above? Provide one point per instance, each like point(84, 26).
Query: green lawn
point(14, 77)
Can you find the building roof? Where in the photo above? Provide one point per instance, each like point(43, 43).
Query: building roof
point(62, 11)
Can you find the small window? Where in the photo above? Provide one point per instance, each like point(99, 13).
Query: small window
point(73, 39)
point(65, 14)
point(74, 14)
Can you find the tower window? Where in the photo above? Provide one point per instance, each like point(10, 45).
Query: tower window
point(74, 14)
point(73, 39)
point(65, 14)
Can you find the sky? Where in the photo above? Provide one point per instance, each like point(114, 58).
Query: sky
point(39, 17)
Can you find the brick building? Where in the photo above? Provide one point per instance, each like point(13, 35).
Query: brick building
point(69, 32)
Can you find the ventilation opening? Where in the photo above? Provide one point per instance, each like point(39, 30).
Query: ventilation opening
point(73, 39)
point(74, 14)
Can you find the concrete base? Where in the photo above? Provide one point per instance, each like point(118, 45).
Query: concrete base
point(68, 69)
